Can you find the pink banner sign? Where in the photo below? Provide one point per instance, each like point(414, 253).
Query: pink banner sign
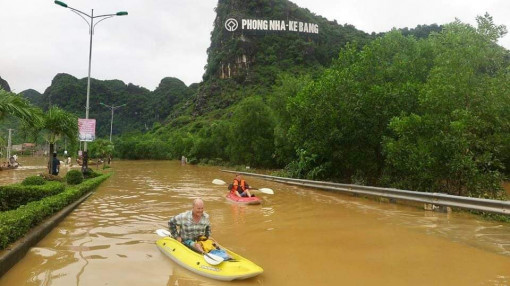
point(87, 128)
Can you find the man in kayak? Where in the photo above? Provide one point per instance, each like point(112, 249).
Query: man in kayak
point(240, 187)
point(189, 226)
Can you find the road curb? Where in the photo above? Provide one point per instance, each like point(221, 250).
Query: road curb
point(17, 250)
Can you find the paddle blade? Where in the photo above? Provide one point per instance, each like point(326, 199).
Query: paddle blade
point(267, 191)
point(218, 182)
point(163, 232)
point(212, 259)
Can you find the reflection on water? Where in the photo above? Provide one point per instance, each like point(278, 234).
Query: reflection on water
point(299, 236)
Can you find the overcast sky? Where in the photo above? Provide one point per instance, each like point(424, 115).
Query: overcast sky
point(169, 38)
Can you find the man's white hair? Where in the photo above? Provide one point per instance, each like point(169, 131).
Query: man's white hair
point(197, 200)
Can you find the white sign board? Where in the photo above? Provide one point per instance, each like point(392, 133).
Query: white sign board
point(232, 25)
point(87, 128)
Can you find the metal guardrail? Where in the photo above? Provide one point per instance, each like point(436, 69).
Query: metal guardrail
point(437, 199)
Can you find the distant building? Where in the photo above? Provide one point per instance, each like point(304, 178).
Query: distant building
point(17, 148)
point(28, 147)
point(25, 148)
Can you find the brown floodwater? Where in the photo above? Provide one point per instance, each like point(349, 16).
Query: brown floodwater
point(506, 186)
point(30, 166)
point(300, 236)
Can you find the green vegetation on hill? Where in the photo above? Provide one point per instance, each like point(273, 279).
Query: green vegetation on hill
point(421, 31)
point(268, 52)
point(70, 94)
point(142, 107)
point(34, 97)
point(4, 85)
point(242, 62)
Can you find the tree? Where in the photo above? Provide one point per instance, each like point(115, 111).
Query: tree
point(287, 87)
point(102, 148)
point(339, 119)
point(457, 142)
point(59, 123)
point(15, 105)
point(16, 110)
point(251, 133)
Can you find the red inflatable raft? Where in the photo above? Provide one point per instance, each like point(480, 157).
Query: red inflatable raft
point(244, 200)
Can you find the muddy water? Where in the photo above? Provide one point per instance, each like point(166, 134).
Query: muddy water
point(299, 236)
point(506, 186)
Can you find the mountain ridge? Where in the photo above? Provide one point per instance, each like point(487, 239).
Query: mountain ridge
point(254, 59)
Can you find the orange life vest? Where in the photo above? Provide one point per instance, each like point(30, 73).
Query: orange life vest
point(236, 185)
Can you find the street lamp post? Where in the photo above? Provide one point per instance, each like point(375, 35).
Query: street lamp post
point(112, 107)
point(90, 22)
point(9, 144)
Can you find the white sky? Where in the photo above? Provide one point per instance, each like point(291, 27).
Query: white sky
point(162, 38)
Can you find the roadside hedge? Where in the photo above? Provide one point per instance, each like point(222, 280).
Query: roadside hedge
point(33, 181)
point(16, 195)
point(16, 223)
point(74, 177)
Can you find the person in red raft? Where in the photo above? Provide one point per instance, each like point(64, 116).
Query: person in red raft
point(240, 187)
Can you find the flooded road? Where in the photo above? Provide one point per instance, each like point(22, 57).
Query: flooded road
point(31, 166)
point(299, 236)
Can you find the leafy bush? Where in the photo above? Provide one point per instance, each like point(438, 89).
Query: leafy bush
point(254, 149)
point(50, 177)
point(33, 181)
point(216, 162)
point(16, 195)
point(89, 174)
point(74, 177)
point(143, 147)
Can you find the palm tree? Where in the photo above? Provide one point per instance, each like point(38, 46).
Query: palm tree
point(15, 105)
point(59, 123)
point(103, 148)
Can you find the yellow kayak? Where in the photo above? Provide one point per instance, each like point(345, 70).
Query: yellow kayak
point(228, 270)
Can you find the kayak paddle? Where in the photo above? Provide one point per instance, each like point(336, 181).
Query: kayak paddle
point(218, 182)
point(163, 232)
point(263, 190)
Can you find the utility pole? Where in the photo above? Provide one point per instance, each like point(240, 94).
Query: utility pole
point(9, 144)
point(112, 107)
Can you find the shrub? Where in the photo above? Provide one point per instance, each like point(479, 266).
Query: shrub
point(16, 195)
point(74, 177)
point(89, 174)
point(33, 181)
point(50, 177)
